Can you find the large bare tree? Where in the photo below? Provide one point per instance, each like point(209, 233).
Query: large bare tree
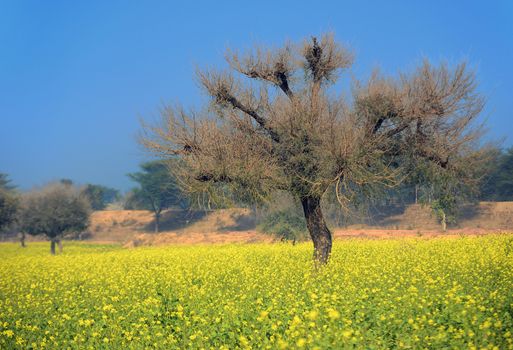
point(275, 122)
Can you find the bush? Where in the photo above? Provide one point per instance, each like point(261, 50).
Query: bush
point(288, 224)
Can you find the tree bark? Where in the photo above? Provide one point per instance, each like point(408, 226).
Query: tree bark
point(319, 231)
point(59, 242)
point(22, 239)
point(157, 222)
point(52, 246)
point(443, 220)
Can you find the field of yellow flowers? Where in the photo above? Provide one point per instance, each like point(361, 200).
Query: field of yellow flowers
point(374, 294)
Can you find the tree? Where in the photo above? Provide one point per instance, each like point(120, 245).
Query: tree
point(99, 196)
point(276, 123)
point(54, 211)
point(8, 202)
point(157, 189)
point(498, 186)
point(5, 183)
point(67, 182)
point(445, 191)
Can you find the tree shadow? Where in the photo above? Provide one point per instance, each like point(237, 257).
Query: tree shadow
point(173, 220)
point(241, 223)
point(222, 221)
point(385, 216)
point(471, 210)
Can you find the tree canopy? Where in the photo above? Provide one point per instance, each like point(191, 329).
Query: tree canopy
point(498, 185)
point(157, 189)
point(9, 202)
point(54, 210)
point(276, 123)
point(100, 196)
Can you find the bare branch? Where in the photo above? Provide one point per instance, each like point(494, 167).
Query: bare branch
point(222, 89)
point(274, 67)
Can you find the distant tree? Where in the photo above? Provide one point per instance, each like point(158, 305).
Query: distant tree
point(446, 191)
point(275, 124)
point(498, 185)
point(67, 182)
point(8, 202)
point(132, 202)
point(100, 196)
point(157, 189)
point(54, 211)
point(5, 183)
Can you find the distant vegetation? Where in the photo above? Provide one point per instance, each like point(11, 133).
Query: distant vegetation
point(100, 196)
point(498, 185)
point(157, 190)
point(9, 202)
point(54, 211)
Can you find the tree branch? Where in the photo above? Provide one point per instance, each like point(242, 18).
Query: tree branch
point(206, 177)
point(223, 95)
point(273, 67)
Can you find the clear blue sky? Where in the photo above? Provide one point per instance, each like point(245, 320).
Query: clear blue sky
point(76, 76)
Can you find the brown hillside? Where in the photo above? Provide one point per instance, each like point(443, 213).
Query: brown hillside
point(485, 215)
point(135, 227)
point(177, 226)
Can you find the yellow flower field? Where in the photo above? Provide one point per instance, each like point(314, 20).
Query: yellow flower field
point(374, 294)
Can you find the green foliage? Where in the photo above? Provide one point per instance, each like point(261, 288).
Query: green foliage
point(284, 218)
point(374, 294)
point(54, 211)
point(8, 208)
point(445, 209)
point(157, 189)
point(66, 182)
point(132, 200)
point(9, 202)
point(100, 196)
point(5, 183)
point(287, 224)
point(498, 186)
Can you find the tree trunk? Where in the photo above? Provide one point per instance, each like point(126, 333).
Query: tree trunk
point(22, 239)
point(157, 222)
point(443, 220)
point(52, 246)
point(59, 242)
point(319, 232)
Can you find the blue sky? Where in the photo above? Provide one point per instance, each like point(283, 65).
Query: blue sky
point(76, 76)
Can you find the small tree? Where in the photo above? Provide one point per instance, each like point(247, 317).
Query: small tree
point(498, 185)
point(54, 211)
point(5, 183)
point(157, 189)
point(275, 124)
point(9, 204)
point(99, 196)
